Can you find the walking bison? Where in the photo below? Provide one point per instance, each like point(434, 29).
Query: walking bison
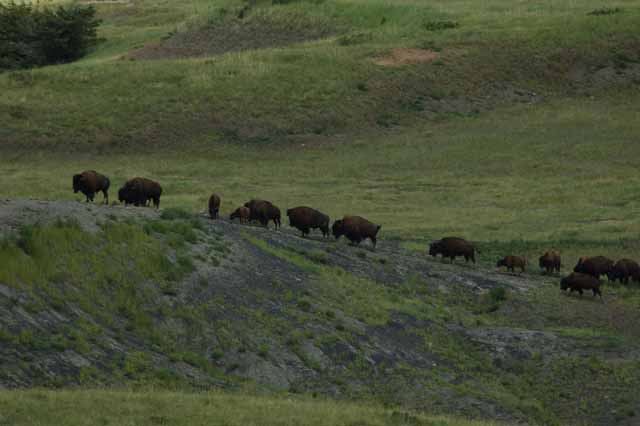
point(580, 282)
point(89, 182)
point(594, 266)
point(305, 219)
point(512, 262)
point(140, 191)
point(550, 262)
point(356, 229)
point(453, 247)
point(214, 206)
point(264, 212)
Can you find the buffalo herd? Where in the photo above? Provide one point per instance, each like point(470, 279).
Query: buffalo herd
point(586, 274)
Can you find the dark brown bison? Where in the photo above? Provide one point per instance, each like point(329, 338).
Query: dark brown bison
point(550, 261)
point(356, 229)
point(306, 218)
point(579, 282)
point(625, 269)
point(264, 212)
point(251, 205)
point(594, 266)
point(140, 191)
point(243, 213)
point(89, 182)
point(126, 196)
point(214, 206)
point(453, 247)
point(512, 262)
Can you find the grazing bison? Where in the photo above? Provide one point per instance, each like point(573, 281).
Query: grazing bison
point(579, 282)
point(356, 229)
point(264, 212)
point(594, 266)
point(140, 191)
point(512, 262)
point(625, 269)
point(242, 213)
point(550, 261)
point(453, 247)
point(306, 218)
point(214, 206)
point(89, 182)
point(126, 196)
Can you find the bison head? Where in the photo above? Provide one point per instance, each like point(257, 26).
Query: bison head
point(500, 263)
point(564, 283)
point(434, 248)
point(337, 229)
point(542, 261)
point(77, 183)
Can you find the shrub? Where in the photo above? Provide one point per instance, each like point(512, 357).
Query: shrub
point(440, 25)
point(32, 36)
point(604, 11)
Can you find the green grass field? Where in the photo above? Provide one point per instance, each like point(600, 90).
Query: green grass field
point(320, 124)
point(70, 408)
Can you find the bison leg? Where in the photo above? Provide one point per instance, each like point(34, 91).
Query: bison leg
point(106, 196)
point(374, 240)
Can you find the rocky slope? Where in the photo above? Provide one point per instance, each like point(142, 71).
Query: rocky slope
point(107, 295)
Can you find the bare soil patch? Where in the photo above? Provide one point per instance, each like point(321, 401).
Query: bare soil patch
point(406, 56)
point(229, 37)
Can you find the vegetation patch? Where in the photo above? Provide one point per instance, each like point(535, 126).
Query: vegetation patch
point(33, 35)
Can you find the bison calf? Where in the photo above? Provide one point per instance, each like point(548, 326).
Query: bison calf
point(580, 282)
point(89, 182)
point(356, 229)
point(242, 213)
point(453, 247)
point(512, 262)
point(550, 261)
point(306, 218)
point(214, 206)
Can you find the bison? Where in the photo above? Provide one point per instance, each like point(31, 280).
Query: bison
point(242, 213)
point(140, 191)
point(453, 247)
point(264, 212)
point(579, 282)
point(550, 261)
point(214, 206)
point(306, 218)
point(625, 269)
point(356, 229)
point(512, 262)
point(89, 182)
point(594, 266)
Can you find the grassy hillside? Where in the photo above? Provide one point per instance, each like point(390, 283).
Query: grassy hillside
point(498, 52)
point(520, 128)
point(175, 302)
point(69, 408)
